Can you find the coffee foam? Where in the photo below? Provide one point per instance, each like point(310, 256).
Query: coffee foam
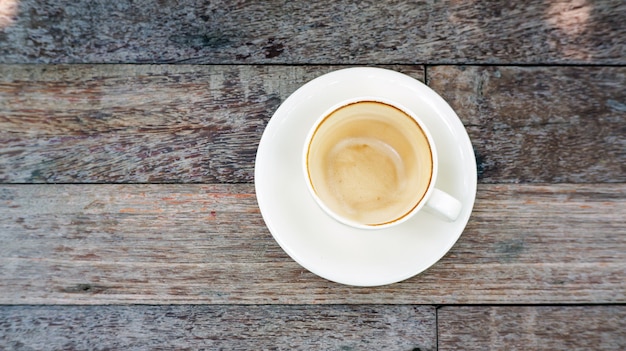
point(369, 162)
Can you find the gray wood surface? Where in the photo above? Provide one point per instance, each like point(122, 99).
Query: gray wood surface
point(541, 124)
point(128, 132)
point(532, 328)
point(140, 123)
point(334, 327)
point(192, 123)
point(314, 32)
point(207, 244)
point(193, 327)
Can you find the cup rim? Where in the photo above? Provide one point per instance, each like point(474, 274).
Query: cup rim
point(405, 216)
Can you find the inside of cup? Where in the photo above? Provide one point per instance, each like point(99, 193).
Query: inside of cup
point(370, 163)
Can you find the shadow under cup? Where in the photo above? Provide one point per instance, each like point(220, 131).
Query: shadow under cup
point(369, 163)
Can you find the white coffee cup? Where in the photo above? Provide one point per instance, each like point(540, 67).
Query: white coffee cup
point(371, 163)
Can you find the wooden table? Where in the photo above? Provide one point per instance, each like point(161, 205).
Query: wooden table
point(128, 133)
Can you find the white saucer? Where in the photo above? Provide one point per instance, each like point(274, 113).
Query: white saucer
point(335, 251)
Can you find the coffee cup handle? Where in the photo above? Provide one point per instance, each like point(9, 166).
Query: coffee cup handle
point(444, 204)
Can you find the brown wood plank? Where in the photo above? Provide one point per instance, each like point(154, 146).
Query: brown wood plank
point(218, 327)
point(207, 244)
point(123, 123)
point(532, 328)
point(133, 124)
point(541, 124)
point(167, 123)
point(318, 32)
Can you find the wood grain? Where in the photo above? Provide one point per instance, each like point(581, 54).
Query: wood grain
point(123, 123)
point(532, 328)
point(320, 32)
point(207, 244)
point(155, 240)
point(202, 124)
point(218, 327)
point(541, 124)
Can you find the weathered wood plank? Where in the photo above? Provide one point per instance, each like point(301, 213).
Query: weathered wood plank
point(207, 244)
point(102, 123)
point(318, 32)
point(541, 124)
point(218, 327)
point(135, 124)
point(532, 328)
point(121, 123)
